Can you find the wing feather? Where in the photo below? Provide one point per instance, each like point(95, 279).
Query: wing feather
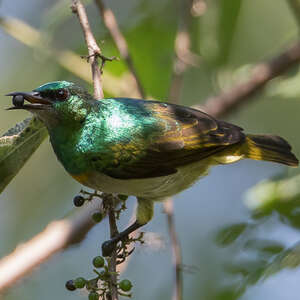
point(185, 136)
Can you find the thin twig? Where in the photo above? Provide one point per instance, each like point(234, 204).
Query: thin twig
point(176, 250)
point(264, 72)
point(93, 48)
point(111, 24)
point(109, 203)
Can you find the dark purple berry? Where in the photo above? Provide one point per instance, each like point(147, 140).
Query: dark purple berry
point(70, 285)
point(18, 100)
point(78, 200)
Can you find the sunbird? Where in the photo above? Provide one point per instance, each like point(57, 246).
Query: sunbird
point(148, 149)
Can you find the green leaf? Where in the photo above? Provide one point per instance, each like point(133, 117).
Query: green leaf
point(256, 270)
point(229, 234)
point(265, 246)
point(288, 259)
point(151, 60)
point(16, 147)
point(229, 12)
point(246, 267)
point(280, 196)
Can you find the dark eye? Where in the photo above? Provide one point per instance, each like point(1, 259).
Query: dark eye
point(62, 94)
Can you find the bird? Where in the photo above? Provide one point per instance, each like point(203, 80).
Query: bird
point(148, 149)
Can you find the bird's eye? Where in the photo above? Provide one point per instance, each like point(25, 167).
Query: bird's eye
point(62, 94)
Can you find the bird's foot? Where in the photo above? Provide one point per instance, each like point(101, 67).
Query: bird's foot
point(109, 246)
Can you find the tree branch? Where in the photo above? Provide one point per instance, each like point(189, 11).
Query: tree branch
point(113, 258)
point(264, 72)
point(93, 48)
point(111, 24)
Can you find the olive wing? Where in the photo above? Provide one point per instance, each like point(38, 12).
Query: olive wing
point(186, 135)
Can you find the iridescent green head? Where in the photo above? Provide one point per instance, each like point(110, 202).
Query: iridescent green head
point(53, 102)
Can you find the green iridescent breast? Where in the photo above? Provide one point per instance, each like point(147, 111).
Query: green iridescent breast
point(116, 132)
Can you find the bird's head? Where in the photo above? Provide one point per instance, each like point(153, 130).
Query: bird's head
point(55, 102)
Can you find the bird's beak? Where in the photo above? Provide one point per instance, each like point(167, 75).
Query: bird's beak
point(34, 98)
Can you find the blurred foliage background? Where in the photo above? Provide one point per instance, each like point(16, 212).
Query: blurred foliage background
point(239, 237)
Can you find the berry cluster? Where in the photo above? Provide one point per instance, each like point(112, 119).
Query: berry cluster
point(98, 287)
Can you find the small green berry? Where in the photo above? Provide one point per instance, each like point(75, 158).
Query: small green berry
point(93, 296)
point(97, 217)
point(125, 285)
point(98, 262)
point(78, 200)
point(70, 285)
point(79, 282)
point(123, 197)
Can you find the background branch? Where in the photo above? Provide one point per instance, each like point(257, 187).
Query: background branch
point(57, 236)
point(176, 250)
point(262, 73)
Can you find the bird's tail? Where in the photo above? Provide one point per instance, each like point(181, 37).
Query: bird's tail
point(270, 148)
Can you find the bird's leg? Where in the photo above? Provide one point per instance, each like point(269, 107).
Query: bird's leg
point(108, 246)
point(144, 215)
